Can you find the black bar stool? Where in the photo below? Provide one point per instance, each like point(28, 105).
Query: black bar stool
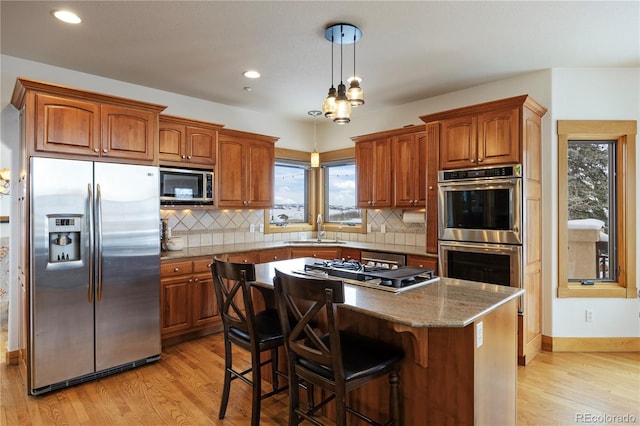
point(334, 360)
point(254, 332)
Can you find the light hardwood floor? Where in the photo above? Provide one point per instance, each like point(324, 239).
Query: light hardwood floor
point(184, 388)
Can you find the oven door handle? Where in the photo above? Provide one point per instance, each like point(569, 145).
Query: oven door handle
point(481, 246)
point(480, 184)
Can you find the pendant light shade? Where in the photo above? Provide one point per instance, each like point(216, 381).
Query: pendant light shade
point(315, 155)
point(338, 104)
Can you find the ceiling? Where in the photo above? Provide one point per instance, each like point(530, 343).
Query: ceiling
point(409, 50)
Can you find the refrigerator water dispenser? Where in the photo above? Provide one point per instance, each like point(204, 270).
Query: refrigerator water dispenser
point(64, 238)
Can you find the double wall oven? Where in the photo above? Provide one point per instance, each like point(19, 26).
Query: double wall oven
point(480, 223)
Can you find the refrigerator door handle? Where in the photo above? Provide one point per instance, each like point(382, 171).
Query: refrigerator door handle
point(91, 242)
point(99, 242)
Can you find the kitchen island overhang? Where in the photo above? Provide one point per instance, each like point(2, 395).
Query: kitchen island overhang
point(460, 342)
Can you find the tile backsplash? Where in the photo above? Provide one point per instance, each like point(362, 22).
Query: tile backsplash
point(217, 227)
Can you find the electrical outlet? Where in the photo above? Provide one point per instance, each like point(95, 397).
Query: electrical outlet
point(479, 334)
point(383, 228)
point(588, 315)
point(262, 227)
point(368, 227)
point(252, 228)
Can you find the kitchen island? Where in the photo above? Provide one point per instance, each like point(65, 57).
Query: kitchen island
point(460, 343)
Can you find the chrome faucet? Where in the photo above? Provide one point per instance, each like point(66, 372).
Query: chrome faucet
point(320, 227)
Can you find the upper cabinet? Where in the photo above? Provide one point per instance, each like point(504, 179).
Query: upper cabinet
point(187, 142)
point(391, 168)
point(373, 168)
point(409, 153)
point(69, 123)
point(482, 135)
point(244, 171)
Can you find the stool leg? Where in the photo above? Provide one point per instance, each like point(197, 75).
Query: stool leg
point(274, 368)
point(394, 397)
point(227, 379)
point(256, 381)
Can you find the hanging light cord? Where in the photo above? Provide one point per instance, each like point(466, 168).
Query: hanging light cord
point(341, 43)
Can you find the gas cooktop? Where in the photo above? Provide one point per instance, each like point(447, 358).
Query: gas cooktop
point(353, 272)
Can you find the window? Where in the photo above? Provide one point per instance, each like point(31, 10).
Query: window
point(596, 209)
point(291, 195)
point(340, 195)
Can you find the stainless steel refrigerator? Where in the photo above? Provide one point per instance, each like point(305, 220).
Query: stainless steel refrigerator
point(95, 270)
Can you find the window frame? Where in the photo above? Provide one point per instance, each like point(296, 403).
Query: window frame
point(336, 226)
point(624, 133)
point(296, 158)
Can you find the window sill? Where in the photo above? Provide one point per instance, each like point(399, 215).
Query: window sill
point(597, 290)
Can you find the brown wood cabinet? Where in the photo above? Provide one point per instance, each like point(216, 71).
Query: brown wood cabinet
point(65, 122)
point(348, 253)
point(423, 262)
point(373, 169)
point(187, 142)
point(187, 297)
point(244, 176)
point(272, 255)
point(317, 252)
point(505, 131)
point(432, 136)
point(483, 139)
point(409, 169)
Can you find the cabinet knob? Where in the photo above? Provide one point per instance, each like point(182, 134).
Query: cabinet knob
point(370, 202)
point(190, 280)
point(431, 187)
point(275, 257)
point(195, 280)
point(96, 150)
point(184, 157)
point(105, 150)
point(176, 269)
point(473, 160)
point(209, 265)
point(189, 157)
point(480, 160)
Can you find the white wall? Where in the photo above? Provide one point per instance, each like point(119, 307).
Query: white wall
point(589, 94)
point(576, 94)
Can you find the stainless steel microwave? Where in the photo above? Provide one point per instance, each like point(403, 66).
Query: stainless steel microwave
point(186, 186)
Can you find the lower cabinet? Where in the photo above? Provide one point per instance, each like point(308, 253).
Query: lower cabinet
point(273, 255)
point(187, 298)
point(423, 262)
point(317, 252)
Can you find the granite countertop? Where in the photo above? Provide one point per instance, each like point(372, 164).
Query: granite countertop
point(444, 303)
point(242, 247)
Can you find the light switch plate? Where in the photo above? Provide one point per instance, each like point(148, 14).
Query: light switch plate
point(479, 334)
point(383, 228)
point(252, 228)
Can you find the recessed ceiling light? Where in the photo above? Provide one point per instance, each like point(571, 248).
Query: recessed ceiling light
point(247, 88)
point(251, 74)
point(67, 16)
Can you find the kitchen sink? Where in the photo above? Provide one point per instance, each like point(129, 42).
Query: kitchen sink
point(315, 242)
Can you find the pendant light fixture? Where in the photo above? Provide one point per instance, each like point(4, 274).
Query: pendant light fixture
point(337, 106)
point(315, 155)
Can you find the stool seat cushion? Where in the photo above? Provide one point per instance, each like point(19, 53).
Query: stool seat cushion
point(268, 328)
point(361, 356)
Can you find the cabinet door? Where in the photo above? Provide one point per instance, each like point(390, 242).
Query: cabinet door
point(499, 137)
point(364, 171)
point(129, 133)
point(373, 168)
point(409, 171)
point(259, 169)
point(201, 145)
point(204, 305)
point(382, 173)
point(432, 140)
point(175, 302)
point(230, 175)
point(67, 126)
point(172, 143)
point(458, 143)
